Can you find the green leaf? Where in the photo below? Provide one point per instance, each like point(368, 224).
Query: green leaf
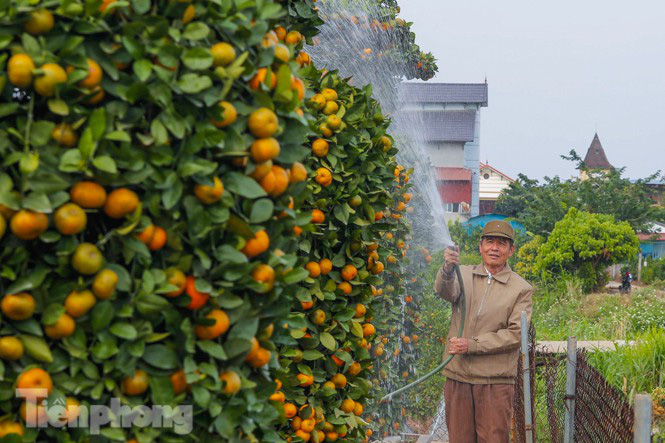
point(161, 390)
point(242, 185)
point(158, 132)
point(271, 11)
point(36, 348)
point(40, 133)
point(295, 275)
point(230, 301)
point(161, 357)
point(172, 194)
point(342, 213)
point(141, 7)
point(228, 254)
point(32, 280)
point(173, 122)
point(197, 59)
point(328, 341)
point(201, 395)
point(119, 136)
point(312, 354)
point(357, 330)
point(193, 84)
point(142, 68)
point(8, 109)
point(52, 313)
point(261, 210)
point(196, 31)
point(97, 123)
point(283, 80)
point(124, 330)
point(105, 163)
point(58, 107)
point(213, 349)
point(37, 202)
point(86, 144)
point(71, 161)
point(151, 304)
point(101, 315)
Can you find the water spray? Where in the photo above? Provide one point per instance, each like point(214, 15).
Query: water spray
point(443, 364)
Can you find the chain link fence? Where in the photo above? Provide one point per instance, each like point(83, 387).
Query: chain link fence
point(602, 412)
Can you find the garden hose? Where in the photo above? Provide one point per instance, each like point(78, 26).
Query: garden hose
point(443, 364)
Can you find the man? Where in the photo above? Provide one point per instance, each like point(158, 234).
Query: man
point(480, 381)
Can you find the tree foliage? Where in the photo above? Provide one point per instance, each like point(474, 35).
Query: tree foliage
point(540, 205)
point(585, 244)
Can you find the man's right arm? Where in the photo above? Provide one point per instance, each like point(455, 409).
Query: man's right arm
point(446, 285)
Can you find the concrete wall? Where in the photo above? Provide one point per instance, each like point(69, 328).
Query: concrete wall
point(450, 155)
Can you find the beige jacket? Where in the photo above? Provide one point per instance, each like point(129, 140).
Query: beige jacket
point(492, 325)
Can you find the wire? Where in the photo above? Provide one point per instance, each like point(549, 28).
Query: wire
point(443, 364)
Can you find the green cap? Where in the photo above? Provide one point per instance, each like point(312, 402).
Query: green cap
point(498, 228)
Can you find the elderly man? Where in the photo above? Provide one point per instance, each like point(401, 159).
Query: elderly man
point(480, 381)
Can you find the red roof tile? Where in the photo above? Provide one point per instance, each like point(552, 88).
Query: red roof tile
point(652, 237)
point(595, 156)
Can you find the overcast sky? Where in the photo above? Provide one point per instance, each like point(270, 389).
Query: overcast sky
point(557, 72)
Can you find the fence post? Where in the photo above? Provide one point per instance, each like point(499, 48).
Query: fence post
point(642, 430)
point(526, 374)
point(569, 398)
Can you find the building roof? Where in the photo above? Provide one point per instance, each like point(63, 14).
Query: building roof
point(595, 156)
point(652, 237)
point(447, 126)
point(443, 92)
point(487, 165)
point(452, 174)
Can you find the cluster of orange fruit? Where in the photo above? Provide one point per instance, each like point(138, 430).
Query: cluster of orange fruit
point(308, 421)
point(325, 102)
point(21, 67)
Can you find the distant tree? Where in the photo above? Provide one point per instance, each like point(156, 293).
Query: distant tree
point(540, 206)
point(585, 244)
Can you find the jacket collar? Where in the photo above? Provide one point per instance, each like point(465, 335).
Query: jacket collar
point(502, 276)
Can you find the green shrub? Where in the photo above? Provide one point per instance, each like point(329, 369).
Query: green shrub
point(585, 244)
point(655, 270)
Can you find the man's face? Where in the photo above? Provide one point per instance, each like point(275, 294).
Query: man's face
point(496, 251)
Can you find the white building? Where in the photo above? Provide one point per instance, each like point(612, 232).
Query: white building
point(492, 182)
point(451, 112)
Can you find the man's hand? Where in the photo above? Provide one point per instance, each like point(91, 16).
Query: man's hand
point(450, 259)
point(458, 346)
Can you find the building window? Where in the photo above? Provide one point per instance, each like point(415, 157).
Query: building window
point(451, 207)
point(486, 176)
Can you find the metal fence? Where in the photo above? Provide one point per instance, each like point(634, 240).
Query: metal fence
point(602, 412)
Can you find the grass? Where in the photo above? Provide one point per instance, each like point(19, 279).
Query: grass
point(562, 310)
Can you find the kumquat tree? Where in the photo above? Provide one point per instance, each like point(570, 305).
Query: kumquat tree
point(192, 213)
